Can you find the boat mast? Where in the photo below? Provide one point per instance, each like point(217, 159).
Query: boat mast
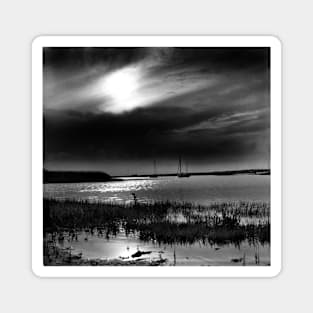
point(154, 167)
point(179, 166)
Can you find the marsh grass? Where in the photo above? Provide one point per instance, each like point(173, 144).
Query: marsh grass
point(164, 222)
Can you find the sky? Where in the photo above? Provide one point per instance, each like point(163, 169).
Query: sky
point(118, 109)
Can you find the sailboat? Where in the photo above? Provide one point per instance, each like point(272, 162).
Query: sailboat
point(154, 170)
point(180, 172)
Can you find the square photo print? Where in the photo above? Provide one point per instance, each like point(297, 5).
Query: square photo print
point(156, 156)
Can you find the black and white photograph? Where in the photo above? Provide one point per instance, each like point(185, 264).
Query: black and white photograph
point(156, 156)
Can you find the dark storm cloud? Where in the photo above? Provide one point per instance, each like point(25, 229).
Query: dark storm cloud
point(219, 58)
point(229, 58)
point(166, 131)
point(67, 57)
point(210, 105)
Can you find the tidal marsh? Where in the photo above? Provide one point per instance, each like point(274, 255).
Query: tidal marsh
point(162, 223)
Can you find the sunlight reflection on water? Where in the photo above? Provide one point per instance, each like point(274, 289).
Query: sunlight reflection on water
point(127, 185)
point(186, 255)
point(197, 189)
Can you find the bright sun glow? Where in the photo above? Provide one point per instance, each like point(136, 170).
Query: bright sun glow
point(122, 87)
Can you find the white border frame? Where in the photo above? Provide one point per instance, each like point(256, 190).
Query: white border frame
point(154, 41)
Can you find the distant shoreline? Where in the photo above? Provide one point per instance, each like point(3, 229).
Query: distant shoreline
point(59, 177)
point(83, 181)
point(213, 173)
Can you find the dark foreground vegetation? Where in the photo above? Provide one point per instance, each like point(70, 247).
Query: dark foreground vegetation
point(168, 222)
point(163, 222)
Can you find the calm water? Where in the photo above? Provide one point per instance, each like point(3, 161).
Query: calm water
point(185, 255)
point(197, 189)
